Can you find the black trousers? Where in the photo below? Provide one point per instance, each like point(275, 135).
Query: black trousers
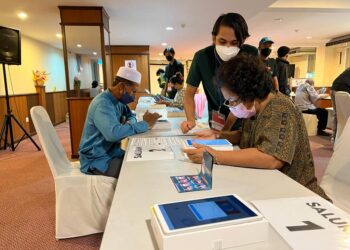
point(113, 170)
point(322, 116)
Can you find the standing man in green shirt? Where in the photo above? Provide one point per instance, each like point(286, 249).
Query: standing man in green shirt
point(229, 34)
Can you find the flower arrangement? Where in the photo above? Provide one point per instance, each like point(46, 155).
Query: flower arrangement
point(40, 77)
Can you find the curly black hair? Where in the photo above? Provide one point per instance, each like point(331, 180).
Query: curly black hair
point(177, 78)
point(246, 76)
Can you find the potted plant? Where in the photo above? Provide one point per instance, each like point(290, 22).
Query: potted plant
point(40, 77)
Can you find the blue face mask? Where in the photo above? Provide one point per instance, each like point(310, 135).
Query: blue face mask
point(126, 98)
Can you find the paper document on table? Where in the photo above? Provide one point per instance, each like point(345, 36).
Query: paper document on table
point(153, 148)
point(157, 141)
point(307, 222)
point(150, 153)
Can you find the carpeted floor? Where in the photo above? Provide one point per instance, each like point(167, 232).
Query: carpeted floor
point(27, 198)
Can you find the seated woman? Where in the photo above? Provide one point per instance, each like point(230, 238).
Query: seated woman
point(178, 100)
point(273, 133)
point(307, 100)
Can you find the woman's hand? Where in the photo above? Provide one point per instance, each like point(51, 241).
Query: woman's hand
point(162, 102)
point(196, 154)
point(207, 134)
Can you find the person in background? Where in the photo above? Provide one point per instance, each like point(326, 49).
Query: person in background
point(306, 99)
point(341, 83)
point(273, 133)
point(265, 50)
point(161, 79)
point(178, 102)
point(228, 35)
point(95, 89)
point(171, 69)
point(108, 121)
point(282, 70)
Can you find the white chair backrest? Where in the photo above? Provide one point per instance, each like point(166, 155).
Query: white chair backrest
point(339, 165)
point(342, 103)
point(54, 152)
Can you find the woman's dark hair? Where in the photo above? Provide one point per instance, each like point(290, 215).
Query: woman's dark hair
point(94, 84)
point(234, 21)
point(177, 78)
point(283, 51)
point(160, 71)
point(246, 76)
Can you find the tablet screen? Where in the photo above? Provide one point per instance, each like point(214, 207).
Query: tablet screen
point(204, 211)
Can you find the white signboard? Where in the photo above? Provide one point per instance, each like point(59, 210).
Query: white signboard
point(308, 222)
point(131, 64)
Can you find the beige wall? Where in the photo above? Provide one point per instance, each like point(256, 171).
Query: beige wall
point(320, 67)
point(300, 65)
point(334, 63)
point(35, 56)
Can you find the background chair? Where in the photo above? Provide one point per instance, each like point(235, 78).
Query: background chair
point(82, 201)
point(342, 103)
point(336, 180)
point(311, 122)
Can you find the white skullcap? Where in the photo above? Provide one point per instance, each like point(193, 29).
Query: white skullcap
point(129, 74)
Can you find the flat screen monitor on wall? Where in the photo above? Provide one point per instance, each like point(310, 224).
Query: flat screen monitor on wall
point(10, 46)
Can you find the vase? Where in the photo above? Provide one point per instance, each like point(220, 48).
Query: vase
point(39, 82)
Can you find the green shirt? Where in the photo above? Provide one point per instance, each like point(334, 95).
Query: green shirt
point(203, 68)
point(279, 130)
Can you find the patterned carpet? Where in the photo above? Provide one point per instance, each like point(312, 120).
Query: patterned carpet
point(27, 198)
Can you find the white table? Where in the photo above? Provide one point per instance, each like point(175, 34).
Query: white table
point(142, 184)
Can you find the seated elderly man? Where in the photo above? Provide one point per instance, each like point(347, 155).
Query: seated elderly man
point(108, 121)
point(306, 99)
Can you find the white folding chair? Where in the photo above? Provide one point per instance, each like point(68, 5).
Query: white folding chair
point(336, 180)
point(342, 103)
point(82, 201)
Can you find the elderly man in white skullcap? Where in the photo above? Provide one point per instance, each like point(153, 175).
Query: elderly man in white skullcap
point(108, 121)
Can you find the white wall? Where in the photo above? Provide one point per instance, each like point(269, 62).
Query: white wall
point(36, 55)
point(85, 75)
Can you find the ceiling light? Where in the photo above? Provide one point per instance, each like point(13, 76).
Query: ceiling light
point(164, 44)
point(169, 28)
point(22, 15)
point(79, 45)
point(59, 35)
point(308, 37)
point(94, 53)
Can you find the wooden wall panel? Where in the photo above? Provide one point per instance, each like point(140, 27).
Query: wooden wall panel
point(80, 15)
point(49, 107)
point(127, 49)
point(141, 64)
point(19, 109)
point(32, 100)
point(21, 105)
point(60, 106)
point(77, 113)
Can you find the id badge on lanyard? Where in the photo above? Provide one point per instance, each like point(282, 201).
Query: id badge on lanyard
point(217, 120)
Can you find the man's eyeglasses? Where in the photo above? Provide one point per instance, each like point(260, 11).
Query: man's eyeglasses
point(231, 102)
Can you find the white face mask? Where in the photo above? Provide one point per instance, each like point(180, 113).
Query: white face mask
point(226, 53)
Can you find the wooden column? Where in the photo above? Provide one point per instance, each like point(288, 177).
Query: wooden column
point(41, 95)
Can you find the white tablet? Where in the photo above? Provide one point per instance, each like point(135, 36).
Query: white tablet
point(194, 215)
